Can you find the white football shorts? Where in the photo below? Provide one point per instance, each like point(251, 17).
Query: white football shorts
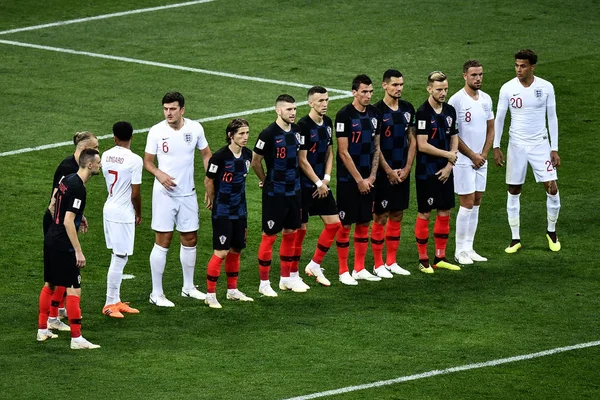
point(469, 180)
point(538, 156)
point(119, 237)
point(178, 211)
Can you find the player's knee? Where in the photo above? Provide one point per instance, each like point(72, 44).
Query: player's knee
point(551, 188)
point(424, 215)
point(380, 219)
point(514, 189)
point(221, 253)
point(397, 216)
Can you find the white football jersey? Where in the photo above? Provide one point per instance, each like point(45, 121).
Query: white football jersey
point(527, 107)
point(121, 169)
point(175, 153)
point(473, 116)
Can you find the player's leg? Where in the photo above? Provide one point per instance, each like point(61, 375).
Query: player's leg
point(164, 210)
point(392, 239)
point(361, 237)
point(380, 218)
point(222, 231)
point(347, 198)
point(45, 298)
point(425, 198)
point(187, 224)
point(516, 170)
point(232, 262)
point(272, 224)
point(291, 222)
point(553, 208)
point(444, 202)
point(473, 255)
point(544, 171)
point(464, 186)
point(324, 242)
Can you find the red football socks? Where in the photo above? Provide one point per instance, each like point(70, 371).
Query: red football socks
point(377, 235)
point(422, 235)
point(392, 239)
point(57, 298)
point(44, 310)
point(265, 254)
point(74, 313)
point(286, 253)
point(343, 246)
point(212, 273)
point(361, 243)
point(300, 234)
point(441, 231)
point(232, 269)
point(326, 238)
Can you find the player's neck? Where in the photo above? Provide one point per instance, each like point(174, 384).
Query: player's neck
point(527, 81)
point(473, 93)
point(177, 125)
point(391, 102)
point(315, 116)
point(235, 149)
point(437, 107)
point(360, 108)
point(125, 145)
point(84, 174)
point(283, 125)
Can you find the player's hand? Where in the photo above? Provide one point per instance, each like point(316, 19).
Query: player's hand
point(325, 182)
point(403, 173)
point(83, 227)
point(478, 160)
point(261, 184)
point(393, 177)
point(444, 173)
point(321, 192)
point(79, 259)
point(498, 157)
point(555, 159)
point(364, 186)
point(208, 201)
point(167, 181)
point(452, 157)
point(138, 220)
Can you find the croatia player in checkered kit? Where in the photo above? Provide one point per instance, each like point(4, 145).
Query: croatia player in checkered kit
point(529, 99)
point(174, 142)
point(225, 184)
point(357, 131)
point(316, 163)
point(475, 136)
point(392, 187)
point(278, 145)
point(437, 144)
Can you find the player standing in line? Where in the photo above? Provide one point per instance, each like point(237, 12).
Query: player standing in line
point(122, 170)
point(437, 144)
point(316, 163)
point(357, 130)
point(68, 166)
point(278, 145)
point(63, 257)
point(475, 135)
point(529, 98)
point(392, 187)
point(225, 184)
point(174, 202)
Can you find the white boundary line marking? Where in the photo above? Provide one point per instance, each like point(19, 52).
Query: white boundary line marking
point(105, 16)
point(446, 371)
point(163, 65)
point(207, 119)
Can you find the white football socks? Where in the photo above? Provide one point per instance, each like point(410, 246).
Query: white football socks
point(473, 221)
point(462, 228)
point(553, 208)
point(158, 260)
point(114, 278)
point(513, 208)
point(187, 256)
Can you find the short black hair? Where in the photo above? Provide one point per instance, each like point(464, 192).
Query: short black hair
point(233, 126)
point(123, 131)
point(358, 79)
point(391, 73)
point(526, 54)
point(284, 98)
point(316, 89)
point(86, 156)
point(172, 97)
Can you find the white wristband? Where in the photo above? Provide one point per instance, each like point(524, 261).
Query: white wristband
point(319, 183)
point(327, 178)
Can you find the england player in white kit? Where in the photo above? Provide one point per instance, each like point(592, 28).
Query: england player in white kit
point(476, 133)
point(122, 170)
point(529, 99)
point(174, 203)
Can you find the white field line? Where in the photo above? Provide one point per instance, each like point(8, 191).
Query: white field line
point(105, 16)
point(163, 65)
point(207, 119)
point(446, 371)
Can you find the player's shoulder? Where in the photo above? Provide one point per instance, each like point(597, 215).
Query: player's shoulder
point(246, 153)
point(270, 129)
point(381, 106)
point(456, 98)
point(372, 110)
point(304, 121)
point(345, 112)
point(221, 153)
point(485, 97)
point(510, 85)
point(194, 125)
point(295, 128)
point(158, 127)
point(448, 108)
point(424, 108)
point(404, 105)
point(327, 121)
point(543, 82)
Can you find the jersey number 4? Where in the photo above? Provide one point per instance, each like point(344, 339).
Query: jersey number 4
point(116, 174)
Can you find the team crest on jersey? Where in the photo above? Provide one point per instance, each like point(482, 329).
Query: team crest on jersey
point(188, 138)
point(449, 121)
point(384, 203)
point(407, 117)
point(299, 138)
point(538, 93)
point(270, 224)
point(329, 131)
point(430, 201)
point(374, 122)
point(342, 214)
point(486, 108)
point(247, 167)
point(222, 239)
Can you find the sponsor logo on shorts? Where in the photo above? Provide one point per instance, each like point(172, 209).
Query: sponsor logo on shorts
point(188, 138)
point(384, 203)
point(222, 239)
point(270, 224)
point(342, 214)
point(430, 201)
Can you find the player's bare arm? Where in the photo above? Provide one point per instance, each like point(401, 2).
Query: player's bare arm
point(555, 159)
point(136, 200)
point(444, 173)
point(410, 157)
point(328, 165)
point(164, 179)
point(206, 155)
point(376, 156)
point(489, 139)
point(209, 184)
point(322, 188)
point(69, 223)
point(258, 168)
point(364, 186)
point(499, 127)
point(425, 147)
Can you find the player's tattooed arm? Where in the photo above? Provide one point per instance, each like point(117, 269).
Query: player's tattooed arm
point(375, 166)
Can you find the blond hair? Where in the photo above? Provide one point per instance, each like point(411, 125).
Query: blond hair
point(436, 76)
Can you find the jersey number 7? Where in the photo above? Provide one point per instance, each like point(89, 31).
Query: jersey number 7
point(116, 174)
